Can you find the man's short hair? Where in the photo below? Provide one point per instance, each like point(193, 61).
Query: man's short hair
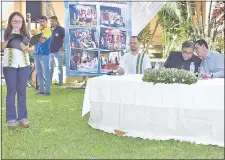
point(139, 40)
point(200, 42)
point(54, 17)
point(188, 44)
point(44, 18)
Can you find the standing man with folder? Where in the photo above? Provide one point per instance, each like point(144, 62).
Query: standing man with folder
point(41, 56)
point(56, 48)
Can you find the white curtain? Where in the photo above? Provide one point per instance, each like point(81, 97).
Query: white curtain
point(142, 13)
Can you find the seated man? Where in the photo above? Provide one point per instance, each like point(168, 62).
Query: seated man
point(182, 60)
point(134, 62)
point(212, 65)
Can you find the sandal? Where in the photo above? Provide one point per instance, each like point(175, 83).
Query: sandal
point(11, 125)
point(24, 124)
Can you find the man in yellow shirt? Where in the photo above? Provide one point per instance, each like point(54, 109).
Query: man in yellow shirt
point(41, 56)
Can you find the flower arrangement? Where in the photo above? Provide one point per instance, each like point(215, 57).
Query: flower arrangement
point(169, 75)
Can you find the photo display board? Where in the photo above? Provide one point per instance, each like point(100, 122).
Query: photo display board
point(97, 35)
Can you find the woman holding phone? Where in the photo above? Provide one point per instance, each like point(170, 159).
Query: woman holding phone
point(16, 69)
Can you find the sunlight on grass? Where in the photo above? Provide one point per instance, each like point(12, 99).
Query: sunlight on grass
point(43, 101)
point(50, 130)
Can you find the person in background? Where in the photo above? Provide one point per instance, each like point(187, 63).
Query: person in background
point(134, 62)
point(16, 69)
point(56, 48)
point(212, 65)
point(41, 56)
point(183, 59)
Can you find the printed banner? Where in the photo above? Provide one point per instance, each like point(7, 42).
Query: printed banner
point(97, 35)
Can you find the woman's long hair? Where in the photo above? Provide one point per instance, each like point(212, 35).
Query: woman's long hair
point(23, 30)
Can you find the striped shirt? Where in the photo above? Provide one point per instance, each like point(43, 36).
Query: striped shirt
point(130, 64)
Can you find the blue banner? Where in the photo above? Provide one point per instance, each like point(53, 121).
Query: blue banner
point(97, 35)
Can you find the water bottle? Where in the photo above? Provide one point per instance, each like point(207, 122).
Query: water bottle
point(192, 67)
point(156, 65)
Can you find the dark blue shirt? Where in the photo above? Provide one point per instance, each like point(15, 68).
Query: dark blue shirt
point(175, 60)
point(56, 43)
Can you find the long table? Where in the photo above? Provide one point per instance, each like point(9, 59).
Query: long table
point(193, 113)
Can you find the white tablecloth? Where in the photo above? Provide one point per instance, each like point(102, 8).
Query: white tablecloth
point(193, 113)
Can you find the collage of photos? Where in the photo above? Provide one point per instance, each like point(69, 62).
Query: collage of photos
point(112, 39)
point(83, 15)
point(83, 61)
point(109, 60)
point(96, 37)
point(83, 38)
point(112, 16)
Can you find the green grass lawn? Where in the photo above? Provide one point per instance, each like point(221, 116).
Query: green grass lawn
point(57, 130)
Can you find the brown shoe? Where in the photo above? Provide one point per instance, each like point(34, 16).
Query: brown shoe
point(24, 124)
point(11, 125)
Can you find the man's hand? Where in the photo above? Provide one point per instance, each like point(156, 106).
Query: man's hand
point(32, 32)
point(62, 49)
point(120, 71)
point(42, 40)
point(206, 75)
point(28, 17)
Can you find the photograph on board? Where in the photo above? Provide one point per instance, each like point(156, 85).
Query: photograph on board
point(83, 15)
point(109, 60)
point(84, 60)
point(83, 38)
point(112, 39)
point(112, 16)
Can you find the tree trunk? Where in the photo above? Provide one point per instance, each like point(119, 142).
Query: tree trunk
point(198, 24)
point(156, 26)
point(192, 21)
point(202, 20)
point(209, 19)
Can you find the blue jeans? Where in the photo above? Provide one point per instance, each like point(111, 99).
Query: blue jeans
point(58, 56)
point(16, 81)
point(42, 71)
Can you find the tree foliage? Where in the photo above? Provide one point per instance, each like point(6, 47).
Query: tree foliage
point(176, 19)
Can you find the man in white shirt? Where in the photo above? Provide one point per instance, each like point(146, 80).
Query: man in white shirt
point(134, 62)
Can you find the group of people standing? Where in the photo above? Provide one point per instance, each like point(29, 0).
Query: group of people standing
point(16, 64)
point(46, 50)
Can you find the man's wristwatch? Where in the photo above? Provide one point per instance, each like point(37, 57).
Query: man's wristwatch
point(211, 75)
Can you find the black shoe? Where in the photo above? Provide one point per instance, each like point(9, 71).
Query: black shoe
point(47, 94)
point(40, 93)
point(57, 84)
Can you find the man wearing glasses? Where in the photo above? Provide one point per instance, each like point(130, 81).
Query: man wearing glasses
point(41, 56)
point(182, 60)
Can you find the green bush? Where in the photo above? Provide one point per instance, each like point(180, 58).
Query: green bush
point(169, 75)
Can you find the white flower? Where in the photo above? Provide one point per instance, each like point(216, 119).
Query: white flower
point(174, 79)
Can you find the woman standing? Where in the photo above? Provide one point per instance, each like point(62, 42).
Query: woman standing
point(16, 68)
